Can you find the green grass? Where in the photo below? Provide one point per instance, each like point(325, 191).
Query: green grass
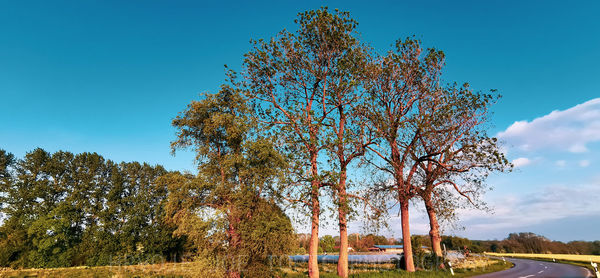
point(384, 273)
point(172, 270)
point(565, 257)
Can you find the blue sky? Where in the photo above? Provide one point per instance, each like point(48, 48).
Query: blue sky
point(109, 76)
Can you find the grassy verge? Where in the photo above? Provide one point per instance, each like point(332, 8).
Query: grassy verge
point(327, 271)
point(156, 270)
point(203, 270)
point(566, 257)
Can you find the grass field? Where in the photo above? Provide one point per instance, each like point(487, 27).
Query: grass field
point(156, 270)
point(470, 268)
point(566, 257)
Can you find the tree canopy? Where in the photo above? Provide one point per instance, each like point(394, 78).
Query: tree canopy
point(231, 199)
point(65, 209)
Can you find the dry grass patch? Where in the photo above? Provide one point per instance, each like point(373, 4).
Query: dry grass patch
point(189, 269)
point(565, 257)
point(473, 263)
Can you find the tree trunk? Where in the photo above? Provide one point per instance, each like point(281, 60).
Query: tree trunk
point(408, 256)
point(234, 267)
point(313, 265)
point(233, 274)
point(434, 228)
point(342, 268)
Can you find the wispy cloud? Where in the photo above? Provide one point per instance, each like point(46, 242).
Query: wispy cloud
point(551, 203)
point(568, 130)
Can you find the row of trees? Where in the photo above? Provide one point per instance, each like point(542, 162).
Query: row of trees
point(63, 209)
point(332, 102)
point(520, 243)
point(514, 243)
point(532, 243)
point(308, 107)
point(328, 243)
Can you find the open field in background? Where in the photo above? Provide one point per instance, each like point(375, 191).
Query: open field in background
point(566, 257)
point(471, 267)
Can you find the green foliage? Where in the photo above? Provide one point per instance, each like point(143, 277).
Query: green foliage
point(327, 243)
point(296, 81)
point(65, 209)
point(227, 210)
point(6, 161)
point(532, 243)
point(455, 243)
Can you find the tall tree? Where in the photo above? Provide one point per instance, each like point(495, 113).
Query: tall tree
point(454, 150)
point(399, 81)
point(349, 137)
point(237, 169)
point(294, 79)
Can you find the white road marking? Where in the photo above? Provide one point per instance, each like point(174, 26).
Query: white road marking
point(540, 271)
point(527, 276)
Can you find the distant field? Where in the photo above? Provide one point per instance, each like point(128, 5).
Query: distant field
point(566, 257)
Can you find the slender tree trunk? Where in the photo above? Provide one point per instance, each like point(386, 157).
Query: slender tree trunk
point(434, 227)
point(233, 273)
point(342, 268)
point(408, 256)
point(313, 265)
point(234, 267)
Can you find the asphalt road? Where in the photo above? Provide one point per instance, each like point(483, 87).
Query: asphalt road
point(531, 269)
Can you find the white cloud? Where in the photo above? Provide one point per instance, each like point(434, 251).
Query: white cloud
point(521, 161)
point(584, 163)
point(567, 130)
point(552, 203)
point(561, 163)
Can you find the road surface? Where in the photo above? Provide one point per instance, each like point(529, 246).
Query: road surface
point(537, 269)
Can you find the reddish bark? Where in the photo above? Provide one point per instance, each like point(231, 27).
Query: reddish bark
point(233, 274)
point(403, 196)
point(342, 268)
point(408, 256)
point(313, 265)
point(233, 269)
point(434, 227)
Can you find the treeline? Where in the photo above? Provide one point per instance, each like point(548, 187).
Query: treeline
point(532, 243)
point(514, 243)
point(358, 242)
point(63, 209)
point(308, 106)
point(524, 242)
